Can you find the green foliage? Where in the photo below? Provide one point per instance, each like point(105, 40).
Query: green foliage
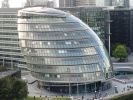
point(2, 68)
point(124, 97)
point(12, 89)
point(120, 52)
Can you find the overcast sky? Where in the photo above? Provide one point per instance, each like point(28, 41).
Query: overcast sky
point(18, 3)
point(15, 3)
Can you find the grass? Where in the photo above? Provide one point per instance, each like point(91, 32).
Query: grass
point(124, 97)
point(32, 98)
point(43, 98)
point(127, 97)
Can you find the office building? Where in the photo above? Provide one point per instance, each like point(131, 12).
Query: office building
point(62, 52)
point(11, 17)
point(108, 2)
point(89, 2)
point(67, 3)
point(122, 3)
point(74, 3)
point(44, 3)
point(5, 4)
point(95, 17)
point(10, 53)
point(121, 27)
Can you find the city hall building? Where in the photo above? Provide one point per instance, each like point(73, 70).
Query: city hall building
point(62, 52)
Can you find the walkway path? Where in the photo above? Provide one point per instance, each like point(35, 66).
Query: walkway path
point(121, 87)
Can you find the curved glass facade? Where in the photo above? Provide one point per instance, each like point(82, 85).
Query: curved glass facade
point(60, 48)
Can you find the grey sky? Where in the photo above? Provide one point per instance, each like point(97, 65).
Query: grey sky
point(15, 3)
point(18, 3)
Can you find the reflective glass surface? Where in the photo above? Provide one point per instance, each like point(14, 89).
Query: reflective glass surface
point(59, 47)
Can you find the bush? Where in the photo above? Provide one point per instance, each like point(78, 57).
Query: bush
point(2, 68)
point(120, 52)
point(124, 97)
point(12, 89)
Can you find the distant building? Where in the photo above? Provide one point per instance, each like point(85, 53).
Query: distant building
point(108, 2)
point(44, 3)
point(73, 3)
point(10, 53)
point(5, 4)
point(67, 3)
point(124, 3)
point(89, 2)
point(95, 17)
point(122, 27)
point(50, 4)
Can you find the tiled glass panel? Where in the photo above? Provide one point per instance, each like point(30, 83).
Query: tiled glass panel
point(61, 48)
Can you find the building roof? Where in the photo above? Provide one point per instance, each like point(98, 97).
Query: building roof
point(44, 11)
point(9, 10)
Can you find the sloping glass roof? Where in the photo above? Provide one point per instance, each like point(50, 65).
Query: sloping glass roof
point(44, 10)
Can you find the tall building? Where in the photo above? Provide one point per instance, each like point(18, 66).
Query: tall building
point(121, 27)
point(89, 2)
point(95, 17)
point(72, 3)
point(10, 53)
point(61, 51)
point(50, 4)
point(67, 3)
point(108, 2)
point(5, 4)
point(124, 3)
point(45, 3)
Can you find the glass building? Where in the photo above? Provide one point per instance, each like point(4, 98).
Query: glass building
point(10, 53)
point(61, 51)
point(90, 3)
point(121, 27)
point(95, 17)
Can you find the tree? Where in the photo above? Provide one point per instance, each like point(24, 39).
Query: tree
point(2, 68)
point(5, 88)
point(19, 90)
point(12, 89)
point(120, 52)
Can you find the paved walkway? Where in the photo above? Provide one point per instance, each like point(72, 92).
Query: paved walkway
point(121, 86)
point(34, 91)
point(130, 59)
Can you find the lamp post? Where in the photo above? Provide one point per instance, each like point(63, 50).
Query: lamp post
point(41, 91)
point(95, 85)
point(69, 89)
point(85, 90)
point(77, 88)
point(108, 24)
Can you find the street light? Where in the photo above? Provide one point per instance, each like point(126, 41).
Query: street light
point(85, 90)
point(95, 85)
point(77, 88)
point(108, 24)
point(69, 89)
point(41, 91)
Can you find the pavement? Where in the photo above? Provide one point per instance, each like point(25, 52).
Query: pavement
point(130, 59)
point(121, 84)
point(35, 91)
